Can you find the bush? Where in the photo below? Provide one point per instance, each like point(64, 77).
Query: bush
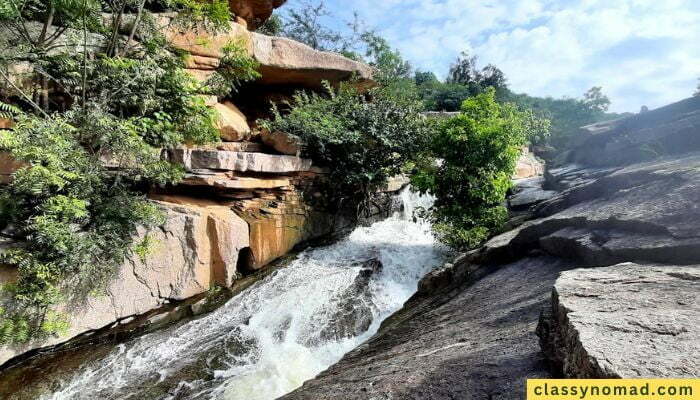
point(478, 150)
point(362, 142)
point(73, 216)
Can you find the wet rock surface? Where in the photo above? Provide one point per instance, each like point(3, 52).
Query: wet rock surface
point(475, 340)
point(469, 331)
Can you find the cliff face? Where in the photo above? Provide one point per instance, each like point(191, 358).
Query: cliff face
point(471, 332)
point(244, 201)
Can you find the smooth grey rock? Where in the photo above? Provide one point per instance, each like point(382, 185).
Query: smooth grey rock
point(625, 321)
point(673, 129)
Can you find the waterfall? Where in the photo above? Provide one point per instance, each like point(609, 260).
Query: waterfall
point(283, 330)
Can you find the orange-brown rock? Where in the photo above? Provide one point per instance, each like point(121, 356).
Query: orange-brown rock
point(200, 62)
point(6, 123)
point(232, 124)
point(195, 159)
point(200, 75)
point(205, 44)
point(7, 167)
point(196, 248)
point(287, 62)
point(281, 142)
point(254, 12)
point(528, 165)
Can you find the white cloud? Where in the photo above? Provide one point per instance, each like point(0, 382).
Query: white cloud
point(553, 47)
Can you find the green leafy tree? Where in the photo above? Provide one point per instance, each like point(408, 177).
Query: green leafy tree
point(361, 142)
point(73, 208)
point(567, 114)
point(305, 24)
point(595, 101)
point(477, 150)
point(425, 78)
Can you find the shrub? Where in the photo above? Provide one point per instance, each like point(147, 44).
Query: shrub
point(361, 142)
point(73, 216)
point(477, 151)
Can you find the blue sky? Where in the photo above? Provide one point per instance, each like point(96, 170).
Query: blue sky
point(643, 52)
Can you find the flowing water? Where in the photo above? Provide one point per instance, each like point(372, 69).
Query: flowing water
point(285, 329)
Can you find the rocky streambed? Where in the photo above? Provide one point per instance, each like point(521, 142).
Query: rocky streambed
point(266, 341)
point(601, 273)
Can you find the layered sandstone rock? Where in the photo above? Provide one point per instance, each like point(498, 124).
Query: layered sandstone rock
point(282, 61)
point(194, 159)
point(196, 249)
point(528, 165)
point(625, 321)
point(7, 167)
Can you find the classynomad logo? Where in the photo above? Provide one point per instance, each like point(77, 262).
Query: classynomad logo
point(613, 389)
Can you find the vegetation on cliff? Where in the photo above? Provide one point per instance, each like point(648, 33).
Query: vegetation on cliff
point(90, 152)
point(362, 138)
point(477, 151)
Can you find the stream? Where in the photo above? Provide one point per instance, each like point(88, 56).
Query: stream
point(280, 332)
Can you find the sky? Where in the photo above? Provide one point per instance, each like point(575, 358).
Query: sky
point(642, 52)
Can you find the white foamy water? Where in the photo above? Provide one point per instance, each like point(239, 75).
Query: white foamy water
point(269, 339)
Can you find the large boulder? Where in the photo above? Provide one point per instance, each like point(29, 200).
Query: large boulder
point(232, 124)
point(625, 321)
point(283, 62)
point(196, 249)
point(282, 142)
point(286, 62)
point(667, 130)
point(8, 166)
point(254, 12)
point(528, 165)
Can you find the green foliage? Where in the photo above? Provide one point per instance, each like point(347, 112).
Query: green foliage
point(305, 24)
point(236, 67)
point(9, 111)
point(464, 80)
point(72, 210)
point(213, 16)
point(388, 62)
point(73, 215)
point(567, 115)
point(477, 151)
point(362, 142)
point(272, 27)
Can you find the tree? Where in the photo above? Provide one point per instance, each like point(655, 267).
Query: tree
point(478, 149)
point(464, 71)
point(595, 100)
point(567, 114)
point(74, 206)
point(305, 24)
point(425, 78)
point(388, 61)
point(361, 141)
